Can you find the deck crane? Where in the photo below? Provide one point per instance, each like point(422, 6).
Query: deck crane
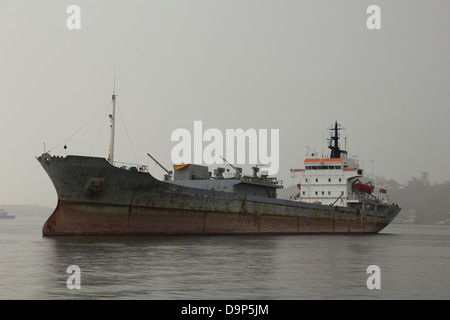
point(167, 176)
point(238, 170)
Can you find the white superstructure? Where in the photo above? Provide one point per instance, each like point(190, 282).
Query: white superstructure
point(336, 180)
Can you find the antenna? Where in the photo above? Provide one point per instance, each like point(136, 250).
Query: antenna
point(114, 83)
point(357, 142)
point(323, 133)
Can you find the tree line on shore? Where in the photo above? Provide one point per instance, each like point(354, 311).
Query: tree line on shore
point(421, 201)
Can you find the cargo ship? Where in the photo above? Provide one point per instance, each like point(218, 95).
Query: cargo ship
point(98, 196)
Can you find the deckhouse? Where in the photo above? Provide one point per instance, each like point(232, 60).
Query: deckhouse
point(335, 180)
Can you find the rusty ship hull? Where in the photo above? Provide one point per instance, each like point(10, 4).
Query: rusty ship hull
point(97, 198)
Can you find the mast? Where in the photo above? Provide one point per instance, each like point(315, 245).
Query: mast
point(335, 151)
point(112, 117)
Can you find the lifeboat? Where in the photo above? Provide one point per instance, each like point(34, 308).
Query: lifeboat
point(364, 187)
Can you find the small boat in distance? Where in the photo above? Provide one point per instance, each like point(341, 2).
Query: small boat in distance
point(4, 215)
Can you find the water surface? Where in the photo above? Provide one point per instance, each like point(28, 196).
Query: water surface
point(414, 262)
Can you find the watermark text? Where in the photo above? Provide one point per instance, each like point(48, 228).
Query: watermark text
point(74, 280)
point(189, 148)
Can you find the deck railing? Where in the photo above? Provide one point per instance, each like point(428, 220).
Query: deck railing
point(131, 166)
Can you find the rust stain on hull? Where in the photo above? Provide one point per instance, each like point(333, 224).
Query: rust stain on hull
point(70, 218)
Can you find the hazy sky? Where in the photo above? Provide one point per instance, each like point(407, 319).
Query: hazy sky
point(296, 66)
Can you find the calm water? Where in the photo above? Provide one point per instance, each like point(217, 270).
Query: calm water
point(414, 263)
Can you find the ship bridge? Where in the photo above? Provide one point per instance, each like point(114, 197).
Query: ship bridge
point(327, 180)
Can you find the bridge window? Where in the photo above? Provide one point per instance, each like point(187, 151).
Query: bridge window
point(329, 193)
point(317, 180)
point(329, 180)
point(317, 193)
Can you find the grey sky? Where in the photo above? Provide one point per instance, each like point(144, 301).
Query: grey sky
point(289, 65)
